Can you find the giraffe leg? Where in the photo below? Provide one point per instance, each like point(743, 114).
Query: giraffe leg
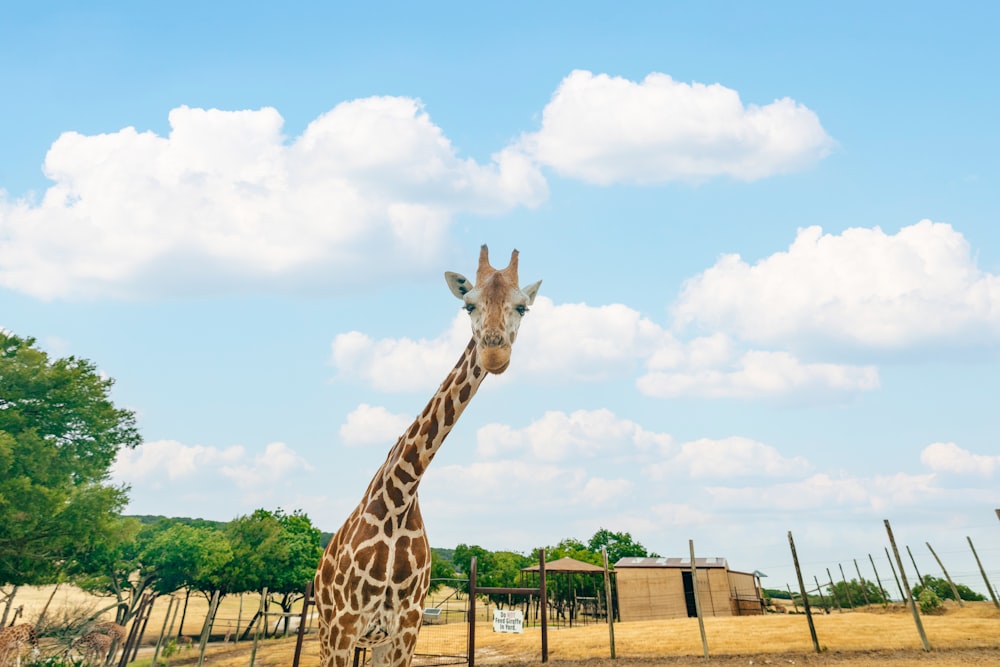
point(397, 652)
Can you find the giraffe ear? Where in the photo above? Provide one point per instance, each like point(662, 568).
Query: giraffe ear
point(531, 291)
point(458, 284)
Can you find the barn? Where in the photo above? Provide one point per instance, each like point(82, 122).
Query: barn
point(652, 588)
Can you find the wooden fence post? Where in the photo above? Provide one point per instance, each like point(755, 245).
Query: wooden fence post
point(847, 589)
point(861, 580)
point(163, 631)
point(822, 598)
point(805, 596)
point(909, 594)
point(608, 606)
point(920, 578)
point(902, 595)
point(833, 592)
point(256, 625)
point(878, 579)
point(697, 599)
point(206, 632)
point(986, 579)
point(954, 589)
point(791, 595)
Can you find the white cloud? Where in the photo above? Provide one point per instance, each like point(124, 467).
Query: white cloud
point(605, 129)
point(400, 364)
point(536, 483)
point(577, 342)
point(729, 457)
point(277, 462)
point(152, 460)
point(949, 457)
point(760, 374)
point(863, 286)
point(558, 436)
point(599, 492)
point(370, 424)
point(227, 203)
point(823, 491)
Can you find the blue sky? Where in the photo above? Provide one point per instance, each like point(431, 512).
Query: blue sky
point(767, 237)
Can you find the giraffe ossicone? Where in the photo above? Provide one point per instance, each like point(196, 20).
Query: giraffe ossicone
point(374, 575)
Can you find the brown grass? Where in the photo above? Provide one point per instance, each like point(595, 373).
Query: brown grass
point(961, 637)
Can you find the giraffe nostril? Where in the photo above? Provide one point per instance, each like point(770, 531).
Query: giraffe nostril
point(492, 339)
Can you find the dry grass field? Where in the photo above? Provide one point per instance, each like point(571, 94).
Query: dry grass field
point(966, 637)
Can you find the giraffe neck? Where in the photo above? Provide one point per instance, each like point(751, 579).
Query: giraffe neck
point(397, 479)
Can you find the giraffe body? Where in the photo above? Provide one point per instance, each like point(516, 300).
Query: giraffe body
point(112, 629)
point(93, 647)
point(13, 640)
point(374, 575)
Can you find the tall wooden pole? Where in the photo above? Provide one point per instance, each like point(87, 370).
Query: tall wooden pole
point(833, 591)
point(608, 602)
point(954, 590)
point(805, 596)
point(847, 589)
point(861, 580)
point(878, 579)
point(983, 572)
point(697, 599)
point(920, 578)
point(909, 595)
point(822, 598)
point(902, 595)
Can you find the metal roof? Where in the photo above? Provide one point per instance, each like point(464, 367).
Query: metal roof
point(671, 562)
point(566, 564)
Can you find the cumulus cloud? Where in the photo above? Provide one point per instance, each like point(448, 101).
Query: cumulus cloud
point(558, 436)
point(508, 478)
point(400, 364)
point(152, 460)
point(759, 374)
point(822, 490)
point(227, 203)
point(277, 462)
point(863, 287)
point(577, 342)
point(949, 457)
point(728, 457)
point(606, 129)
point(371, 424)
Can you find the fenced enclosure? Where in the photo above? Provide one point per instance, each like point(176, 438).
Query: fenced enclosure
point(855, 606)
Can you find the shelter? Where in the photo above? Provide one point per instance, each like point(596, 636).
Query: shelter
point(576, 591)
point(652, 588)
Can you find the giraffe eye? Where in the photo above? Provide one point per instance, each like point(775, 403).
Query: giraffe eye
point(521, 310)
point(469, 307)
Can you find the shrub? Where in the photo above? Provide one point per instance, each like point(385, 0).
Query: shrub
point(929, 602)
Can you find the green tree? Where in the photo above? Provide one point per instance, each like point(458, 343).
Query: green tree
point(113, 566)
point(59, 435)
point(272, 549)
point(619, 545)
point(441, 568)
point(184, 555)
point(942, 589)
point(855, 593)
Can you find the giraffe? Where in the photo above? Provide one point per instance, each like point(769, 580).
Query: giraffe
point(93, 647)
point(372, 580)
point(13, 638)
point(116, 632)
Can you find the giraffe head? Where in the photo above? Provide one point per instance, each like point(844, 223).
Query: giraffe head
point(495, 305)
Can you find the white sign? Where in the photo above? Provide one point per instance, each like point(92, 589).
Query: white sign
point(508, 621)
